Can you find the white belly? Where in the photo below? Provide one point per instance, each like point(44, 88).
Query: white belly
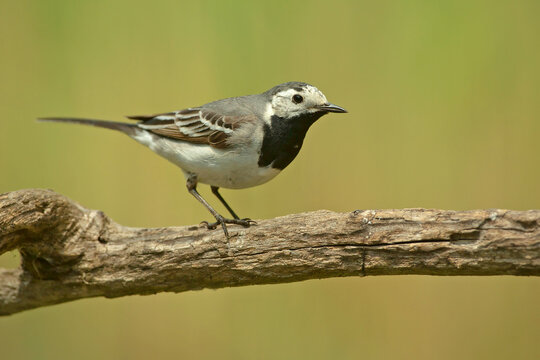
point(218, 167)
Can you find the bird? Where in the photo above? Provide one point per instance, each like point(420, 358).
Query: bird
point(233, 143)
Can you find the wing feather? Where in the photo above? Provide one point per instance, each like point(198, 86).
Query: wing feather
point(196, 125)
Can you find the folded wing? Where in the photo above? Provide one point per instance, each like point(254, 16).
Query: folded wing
point(194, 125)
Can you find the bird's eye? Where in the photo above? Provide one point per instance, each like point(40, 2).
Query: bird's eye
point(297, 99)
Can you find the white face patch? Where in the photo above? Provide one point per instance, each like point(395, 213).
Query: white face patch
point(268, 112)
point(284, 106)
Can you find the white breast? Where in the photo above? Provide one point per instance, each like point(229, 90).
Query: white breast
point(228, 168)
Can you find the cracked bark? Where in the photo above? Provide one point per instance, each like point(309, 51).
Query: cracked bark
point(69, 252)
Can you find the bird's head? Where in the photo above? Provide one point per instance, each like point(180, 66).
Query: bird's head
point(295, 99)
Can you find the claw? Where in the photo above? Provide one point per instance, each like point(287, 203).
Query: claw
point(249, 222)
point(209, 226)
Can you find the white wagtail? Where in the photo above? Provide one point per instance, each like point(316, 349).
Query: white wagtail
point(232, 143)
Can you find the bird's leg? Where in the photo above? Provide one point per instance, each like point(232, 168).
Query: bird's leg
point(215, 190)
point(244, 222)
point(191, 185)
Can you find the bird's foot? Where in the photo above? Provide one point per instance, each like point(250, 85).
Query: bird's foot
point(246, 222)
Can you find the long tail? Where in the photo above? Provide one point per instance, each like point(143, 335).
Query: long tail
point(128, 129)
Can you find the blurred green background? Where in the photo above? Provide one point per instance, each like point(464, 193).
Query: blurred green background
point(443, 100)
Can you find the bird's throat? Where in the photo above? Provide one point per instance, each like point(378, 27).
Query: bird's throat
point(283, 139)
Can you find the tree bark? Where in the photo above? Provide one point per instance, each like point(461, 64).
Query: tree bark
point(69, 252)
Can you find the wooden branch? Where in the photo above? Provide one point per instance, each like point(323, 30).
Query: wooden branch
point(69, 252)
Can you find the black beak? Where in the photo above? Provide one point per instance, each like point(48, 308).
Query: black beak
point(332, 108)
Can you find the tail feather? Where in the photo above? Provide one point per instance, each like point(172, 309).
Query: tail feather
point(128, 129)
